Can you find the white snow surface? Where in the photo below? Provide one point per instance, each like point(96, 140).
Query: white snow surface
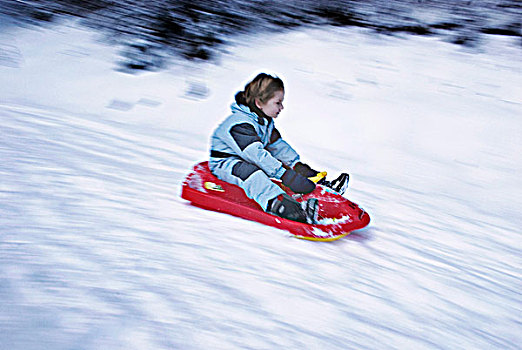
point(98, 250)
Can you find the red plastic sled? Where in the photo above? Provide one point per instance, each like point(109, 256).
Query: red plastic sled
point(337, 215)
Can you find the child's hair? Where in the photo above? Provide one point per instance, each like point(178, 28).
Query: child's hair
point(262, 88)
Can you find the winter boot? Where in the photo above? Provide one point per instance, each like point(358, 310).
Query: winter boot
point(311, 207)
point(339, 185)
point(286, 207)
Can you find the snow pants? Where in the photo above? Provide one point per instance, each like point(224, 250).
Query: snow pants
point(256, 184)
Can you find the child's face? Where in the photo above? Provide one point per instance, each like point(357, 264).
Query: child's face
point(274, 106)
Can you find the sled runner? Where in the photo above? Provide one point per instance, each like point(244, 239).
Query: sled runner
point(336, 215)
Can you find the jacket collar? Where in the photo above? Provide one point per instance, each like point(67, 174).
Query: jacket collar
point(240, 100)
point(253, 111)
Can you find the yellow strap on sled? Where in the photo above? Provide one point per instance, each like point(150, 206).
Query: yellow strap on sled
point(318, 177)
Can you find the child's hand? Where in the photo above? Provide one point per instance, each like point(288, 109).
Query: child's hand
point(305, 170)
point(296, 182)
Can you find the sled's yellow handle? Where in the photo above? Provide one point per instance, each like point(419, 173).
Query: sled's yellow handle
point(318, 177)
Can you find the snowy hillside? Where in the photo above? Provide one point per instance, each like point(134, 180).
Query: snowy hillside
point(98, 251)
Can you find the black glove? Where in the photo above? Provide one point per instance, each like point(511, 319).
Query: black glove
point(297, 183)
point(305, 170)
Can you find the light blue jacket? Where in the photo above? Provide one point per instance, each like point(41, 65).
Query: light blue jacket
point(254, 139)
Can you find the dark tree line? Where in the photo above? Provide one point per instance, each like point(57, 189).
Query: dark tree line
point(152, 31)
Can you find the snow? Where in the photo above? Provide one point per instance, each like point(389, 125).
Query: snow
point(97, 249)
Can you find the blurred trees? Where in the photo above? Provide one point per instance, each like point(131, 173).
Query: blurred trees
point(152, 31)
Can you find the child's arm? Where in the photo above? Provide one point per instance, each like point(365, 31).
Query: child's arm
point(245, 142)
point(281, 150)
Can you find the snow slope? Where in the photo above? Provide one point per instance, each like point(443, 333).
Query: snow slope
point(98, 251)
